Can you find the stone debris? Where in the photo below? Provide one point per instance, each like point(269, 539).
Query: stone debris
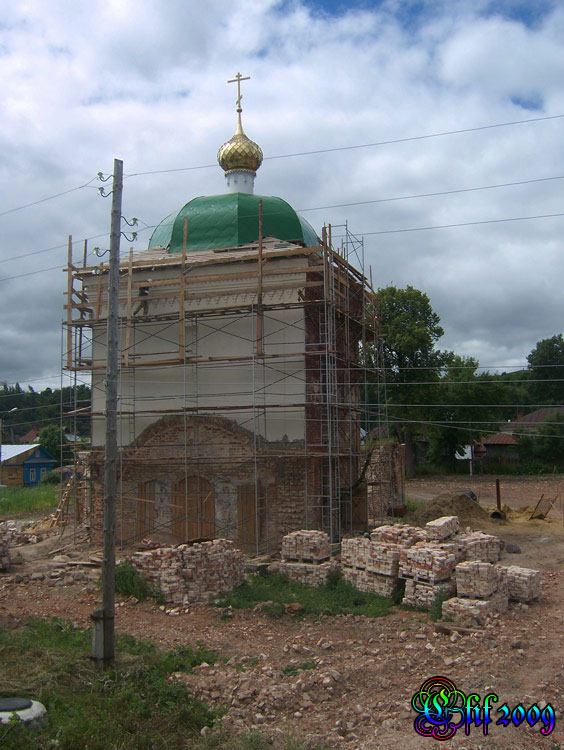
point(523, 584)
point(479, 580)
point(4, 552)
point(192, 573)
point(475, 545)
point(475, 611)
point(442, 528)
point(429, 562)
point(401, 533)
point(16, 533)
point(306, 546)
point(367, 581)
point(378, 557)
point(309, 573)
point(419, 594)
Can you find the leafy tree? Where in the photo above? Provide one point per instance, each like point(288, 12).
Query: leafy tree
point(547, 446)
point(472, 403)
point(546, 365)
point(52, 438)
point(409, 330)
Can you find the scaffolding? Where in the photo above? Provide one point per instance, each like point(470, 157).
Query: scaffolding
point(243, 384)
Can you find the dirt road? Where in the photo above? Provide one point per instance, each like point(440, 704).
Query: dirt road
point(358, 694)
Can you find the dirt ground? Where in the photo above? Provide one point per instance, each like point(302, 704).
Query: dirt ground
point(366, 671)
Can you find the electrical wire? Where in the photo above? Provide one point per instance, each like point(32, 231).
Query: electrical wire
point(362, 145)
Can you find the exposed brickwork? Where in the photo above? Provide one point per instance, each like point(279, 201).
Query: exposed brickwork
point(306, 546)
point(420, 594)
point(374, 556)
point(401, 533)
point(311, 574)
point(222, 454)
point(192, 573)
point(523, 584)
point(478, 546)
point(4, 551)
point(430, 562)
point(479, 580)
point(442, 528)
point(366, 580)
point(475, 611)
point(385, 478)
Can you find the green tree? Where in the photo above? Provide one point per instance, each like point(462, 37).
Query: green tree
point(52, 438)
point(409, 329)
point(469, 403)
point(547, 447)
point(546, 365)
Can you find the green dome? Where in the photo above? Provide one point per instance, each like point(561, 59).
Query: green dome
point(230, 220)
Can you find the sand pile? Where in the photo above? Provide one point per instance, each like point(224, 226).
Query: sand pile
point(449, 504)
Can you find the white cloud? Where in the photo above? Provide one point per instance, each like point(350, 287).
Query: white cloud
point(146, 81)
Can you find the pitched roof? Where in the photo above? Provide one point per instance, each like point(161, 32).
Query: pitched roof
point(500, 438)
point(12, 451)
point(9, 452)
point(535, 418)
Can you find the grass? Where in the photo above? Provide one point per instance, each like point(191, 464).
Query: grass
point(436, 610)
point(334, 598)
point(26, 499)
point(130, 582)
point(132, 706)
point(412, 505)
point(293, 670)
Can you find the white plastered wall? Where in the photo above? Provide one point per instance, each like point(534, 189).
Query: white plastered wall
point(148, 393)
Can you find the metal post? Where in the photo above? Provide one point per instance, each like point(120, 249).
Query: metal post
point(108, 569)
point(0, 452)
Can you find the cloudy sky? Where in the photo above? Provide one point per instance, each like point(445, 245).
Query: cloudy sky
point(441, 113)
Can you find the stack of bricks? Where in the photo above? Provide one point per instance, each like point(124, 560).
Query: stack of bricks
point(306, 557)
point(371, 565)
point(4, 552)
point(471, 611)
point(192, 573)
point(418, 594)
point(442, 528)
point(402, 534)
point(306, 546)
point(523, 584)
point(428, 568)
point(430, 562)
point(481, 589)
point(478, 546)
point(479, 580)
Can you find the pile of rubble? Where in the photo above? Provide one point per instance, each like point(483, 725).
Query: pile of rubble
point(25, 534)
point(4, 552)
point(192, 573)
point(306, 557)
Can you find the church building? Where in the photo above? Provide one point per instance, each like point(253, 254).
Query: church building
point(242, 371)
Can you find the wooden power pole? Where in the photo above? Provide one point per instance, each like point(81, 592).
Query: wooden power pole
point(104, 620)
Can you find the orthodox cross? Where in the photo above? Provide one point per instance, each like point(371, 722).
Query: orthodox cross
point(238, 78)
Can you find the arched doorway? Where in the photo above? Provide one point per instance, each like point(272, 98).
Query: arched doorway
point(193, 509)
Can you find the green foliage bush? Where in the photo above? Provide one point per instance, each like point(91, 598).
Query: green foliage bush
point(130, 582)
point(50, 478)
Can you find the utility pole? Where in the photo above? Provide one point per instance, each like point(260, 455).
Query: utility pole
point(106, 651)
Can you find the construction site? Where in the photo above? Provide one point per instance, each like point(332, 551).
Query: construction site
point(243, 374)
point(247, 355)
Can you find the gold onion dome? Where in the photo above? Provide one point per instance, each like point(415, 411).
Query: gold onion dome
point(239, 153)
